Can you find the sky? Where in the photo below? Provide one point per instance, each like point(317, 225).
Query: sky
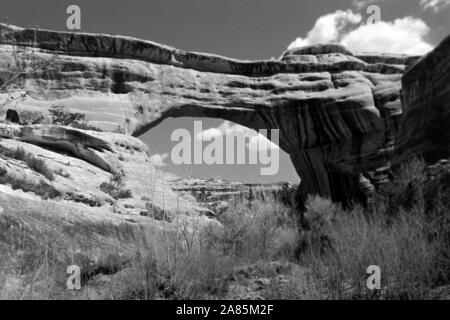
point(244, 29)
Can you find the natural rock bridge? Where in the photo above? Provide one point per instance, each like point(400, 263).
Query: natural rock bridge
point(338, 113)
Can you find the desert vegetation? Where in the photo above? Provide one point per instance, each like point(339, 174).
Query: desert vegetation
point(266, 249)
point(34, 163)
point(63, 117)
point(43, 188)
point(115, 187)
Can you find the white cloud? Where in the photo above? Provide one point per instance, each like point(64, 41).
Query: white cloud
point(227, 128)
point(328, 28)
point(158, 159)
point(209, 134)
point(435, 5)
point(405, 35)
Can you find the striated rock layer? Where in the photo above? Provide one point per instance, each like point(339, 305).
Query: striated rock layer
point(425, 129)
point(218, 195)
point(337, 112)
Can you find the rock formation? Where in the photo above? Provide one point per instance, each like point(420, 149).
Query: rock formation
point(82, 192)
point(338, 113)
point(218, 194)
point(75, 180)
point(425, 128)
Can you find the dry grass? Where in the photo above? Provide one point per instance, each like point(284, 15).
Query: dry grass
point(402, 234)
point(406, 232)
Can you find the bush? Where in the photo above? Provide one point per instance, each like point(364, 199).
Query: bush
point(64, 118)
point(115, 187)
point(39, 165)
point(264, 230)
point(42, 189)
point(317, 224)
point(32, 162)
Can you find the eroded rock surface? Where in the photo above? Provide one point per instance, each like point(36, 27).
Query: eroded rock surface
point(79, 192)
point(425, 129)
point(337, 112)
point(82, 161)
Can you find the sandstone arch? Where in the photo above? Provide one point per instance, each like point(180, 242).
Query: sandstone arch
point(338, 113)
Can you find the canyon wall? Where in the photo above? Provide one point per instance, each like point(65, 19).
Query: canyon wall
point(425, 129)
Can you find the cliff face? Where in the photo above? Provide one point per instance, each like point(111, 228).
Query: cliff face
point(337, 113)
point(426, 103)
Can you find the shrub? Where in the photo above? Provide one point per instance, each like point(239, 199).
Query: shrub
point(32, 162)
point(317, 222)
point(39, 165)
point(115, 187)
point(42, 189)
point(264, 230)
point(64, 118)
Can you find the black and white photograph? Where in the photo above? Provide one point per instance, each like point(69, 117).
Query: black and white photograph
point(225, 155)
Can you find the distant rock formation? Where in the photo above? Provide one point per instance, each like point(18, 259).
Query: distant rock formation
point(338, 113)
point(218, 194)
